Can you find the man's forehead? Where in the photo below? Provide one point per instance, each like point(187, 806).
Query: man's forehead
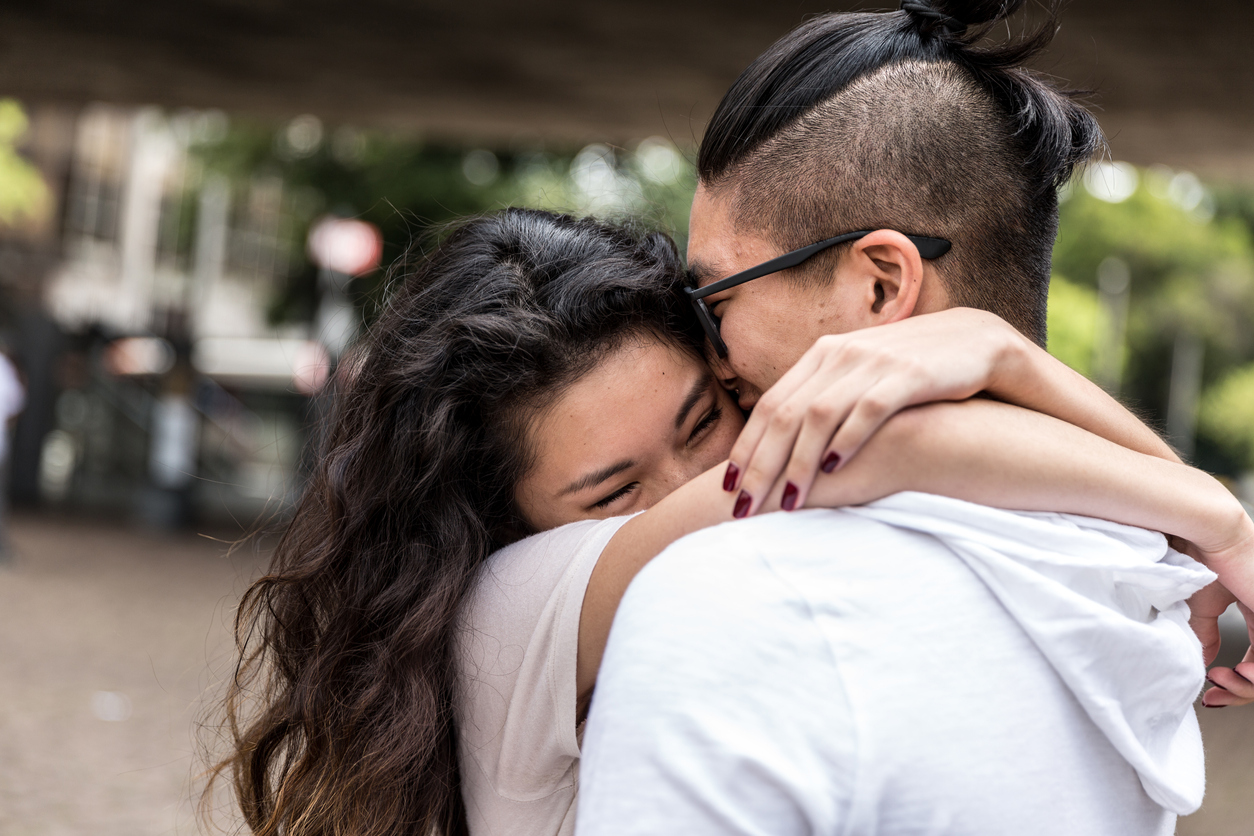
point(717, 257)
point(718, 245)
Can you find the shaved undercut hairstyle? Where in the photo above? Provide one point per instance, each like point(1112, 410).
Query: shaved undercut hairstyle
point(899, 121)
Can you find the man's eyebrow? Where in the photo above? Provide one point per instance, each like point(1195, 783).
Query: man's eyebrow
point(695, 394)
point(596, 477)
point(700, 272)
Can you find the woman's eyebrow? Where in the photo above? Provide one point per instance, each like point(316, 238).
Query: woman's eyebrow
point(596, 477)
point(695, 394)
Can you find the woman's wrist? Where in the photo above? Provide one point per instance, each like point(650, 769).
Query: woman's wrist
point(1229, 539)
point(1019, 368)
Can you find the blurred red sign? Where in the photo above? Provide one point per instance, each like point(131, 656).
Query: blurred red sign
point(345, 245)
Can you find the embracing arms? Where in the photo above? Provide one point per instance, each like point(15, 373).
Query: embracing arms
point(977, 450)
point(847, 385)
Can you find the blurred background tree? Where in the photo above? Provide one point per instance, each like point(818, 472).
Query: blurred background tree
point(410, 188)
point(23, 194)
point(1156, 271)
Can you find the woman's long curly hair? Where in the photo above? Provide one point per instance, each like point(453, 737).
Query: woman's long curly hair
point(340, 715)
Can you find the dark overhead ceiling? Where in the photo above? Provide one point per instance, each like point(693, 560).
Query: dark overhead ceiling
point(1175, 80)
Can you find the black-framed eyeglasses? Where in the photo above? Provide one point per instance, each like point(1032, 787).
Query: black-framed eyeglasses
point(929, 248)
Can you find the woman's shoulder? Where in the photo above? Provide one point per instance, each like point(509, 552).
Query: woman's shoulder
point(517, 650)
point(518, 581)
point(554, 548)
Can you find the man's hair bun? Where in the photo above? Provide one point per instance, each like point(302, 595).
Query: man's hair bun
point(954, 17)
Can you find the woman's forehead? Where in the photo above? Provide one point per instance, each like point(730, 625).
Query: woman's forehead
point(625, 404)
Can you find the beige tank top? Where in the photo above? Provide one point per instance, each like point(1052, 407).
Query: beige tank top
point(518, 744)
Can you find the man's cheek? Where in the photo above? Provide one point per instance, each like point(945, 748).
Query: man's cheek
point(752, 364)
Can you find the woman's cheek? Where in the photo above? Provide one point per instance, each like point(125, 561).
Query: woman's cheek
point(724, 436)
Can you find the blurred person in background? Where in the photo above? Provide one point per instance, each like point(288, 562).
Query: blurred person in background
point(532, 384)
point(918, 665)
point(12, 401)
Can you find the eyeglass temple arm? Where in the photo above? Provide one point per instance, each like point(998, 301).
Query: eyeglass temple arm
point(929, 248)
point(775, 265)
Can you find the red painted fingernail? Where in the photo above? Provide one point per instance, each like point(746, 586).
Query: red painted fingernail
point(789, 499)
point(1204, 705)
point(829, 463)
point(730, 477)
point(742, 505)
point(1243, 676)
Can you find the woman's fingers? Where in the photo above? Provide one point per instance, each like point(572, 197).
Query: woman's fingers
point(1234, 686)
point(818, 427)
point(872, 408)
point(810, 452)
point(948, 355)
point(764, 413)
point(811, 408)
point(1206, 627)
point(877, 375)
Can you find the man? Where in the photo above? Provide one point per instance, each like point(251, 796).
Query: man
point(919, 665)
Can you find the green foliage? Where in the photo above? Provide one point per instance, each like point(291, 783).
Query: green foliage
point(1191, 257)
point(1188, 270)
point(1227, 414)
point(1074, 314)
point(23, 194)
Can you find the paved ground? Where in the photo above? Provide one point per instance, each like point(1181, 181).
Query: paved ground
point(109, 638)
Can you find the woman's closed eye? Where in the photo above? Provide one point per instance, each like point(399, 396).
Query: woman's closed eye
point(710, 419)
point(617, 495)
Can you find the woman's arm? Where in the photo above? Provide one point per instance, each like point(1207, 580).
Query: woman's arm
point(845, 386)
point(1031, 377)
point(978, 450)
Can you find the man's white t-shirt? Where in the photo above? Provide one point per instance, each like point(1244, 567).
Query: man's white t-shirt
point(916, 666)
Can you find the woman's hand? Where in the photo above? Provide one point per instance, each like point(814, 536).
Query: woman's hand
point(843, 389)
point(1234, 563)
point(1233, 686)
point(823, 410)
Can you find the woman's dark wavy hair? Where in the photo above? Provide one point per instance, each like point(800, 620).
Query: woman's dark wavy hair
point(340, 715)
point(908, 118)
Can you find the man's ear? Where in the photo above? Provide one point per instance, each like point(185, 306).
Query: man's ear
point(892, 273)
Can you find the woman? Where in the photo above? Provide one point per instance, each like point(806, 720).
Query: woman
point(537, 370)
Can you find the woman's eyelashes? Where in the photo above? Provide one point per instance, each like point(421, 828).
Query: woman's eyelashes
point(710, 419)
point(617, 495)
point(701, 430)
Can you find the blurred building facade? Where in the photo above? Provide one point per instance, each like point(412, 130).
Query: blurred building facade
point(137, 307)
